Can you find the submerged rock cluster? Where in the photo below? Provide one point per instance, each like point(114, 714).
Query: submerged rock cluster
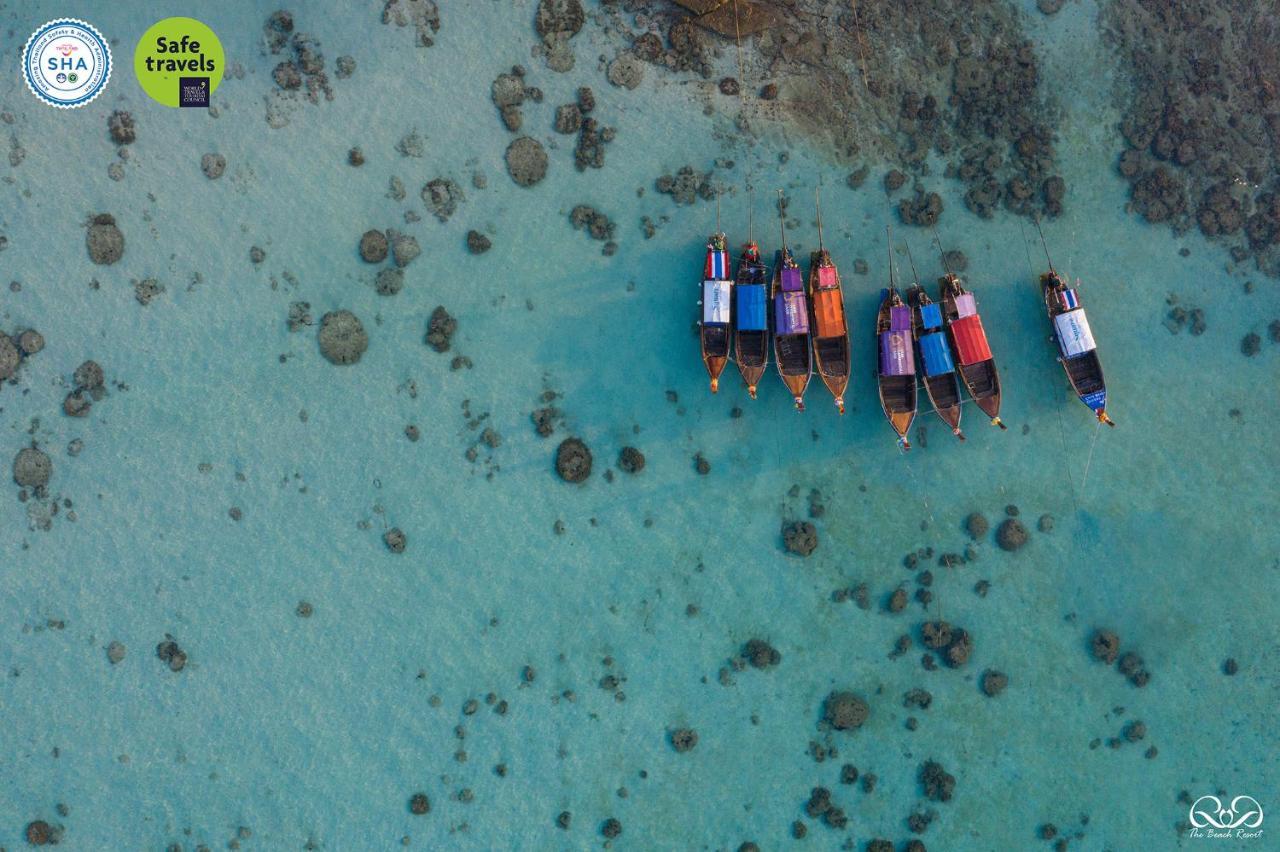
point(1201, 119)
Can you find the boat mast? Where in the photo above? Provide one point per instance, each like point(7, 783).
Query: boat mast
point(946, 268)
point(817, 202)
point(914, 275)
point(1045, 246)
point(782, 224)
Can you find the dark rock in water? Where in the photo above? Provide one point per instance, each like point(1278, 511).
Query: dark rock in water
point(76, 404)
point(395, 540)
point(104, 240)
point(954, 642)
point(342, 337)
point(937, 782)
point(122, 128)
point(355, 157)
point(389, 282)
point(526, 161)
point(701, 464)
point(759, 654)
point(976, 525)
point(419, 804)
point(936, 634)
point(404, 248)
point(897, 600)
point(564, 820)
point(478, 243)
point(586, 99)
point(10, 357)
point(1274, 331)
point(631, 460)
point(89, 376)
point(769, 92)
point(800, 537)
point(1131, 666)
point(1045, 524)
point(955, 260)
point(573, 460)
point(1050, 7)
point(213, 165)
point(923, 209)
point(374, 246)
point(994, 682)
point(686, 186)
point(611, 827)
point(1230, 666)
point(559, 16)
point(568, 119)
point(171, 654)
point(845, 711)
point(848, 774)
point(1105, 646)
point(40, 833)
point(1135, 731)
point(146, 290)
point(1011, 535)
point(879, 844)
point(32, 468)
point(729, 87)
point(440, 329)
point(29, 343)
point(684, 739)
point(893, 180)
point(626, 71)
point(442, 197)
point(1251, 345)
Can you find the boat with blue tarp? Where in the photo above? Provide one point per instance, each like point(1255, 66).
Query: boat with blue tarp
point(751, 317)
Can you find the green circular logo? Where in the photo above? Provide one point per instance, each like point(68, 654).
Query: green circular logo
point(179, 62)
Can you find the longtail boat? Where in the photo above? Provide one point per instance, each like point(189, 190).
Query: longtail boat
point(938, 369)
point(751, 317)
point(977, 367)
point(830, 330)
point(897, 372)
point(791, 320)
point(713, 330)
point(1078, 353)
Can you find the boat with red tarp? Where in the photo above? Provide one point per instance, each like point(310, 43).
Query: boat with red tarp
point(975, 364)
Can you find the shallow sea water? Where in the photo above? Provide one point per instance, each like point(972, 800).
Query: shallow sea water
point(320, 729)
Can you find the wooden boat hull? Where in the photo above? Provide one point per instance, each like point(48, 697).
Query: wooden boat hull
point(942, 389)
point(981, 379)
point(898, 396)
point(1084, 371)
point(831, 352)
point(715, 352)
point(791, 352)
point(751, 347)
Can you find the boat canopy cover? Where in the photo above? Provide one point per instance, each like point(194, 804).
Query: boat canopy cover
point(936, 354)
point(751, 312)
point(791, 279)
point(896, 357)
point(966, 306)
point(717, 264)
point(900, 318)
point(971, 340)
point(792, 315)
point(1074, 336)
point(828, 313)
point(827, 276)
point(715, 302)
point(931, 315)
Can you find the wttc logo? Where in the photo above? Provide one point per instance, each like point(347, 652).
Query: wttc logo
point(1209, 818)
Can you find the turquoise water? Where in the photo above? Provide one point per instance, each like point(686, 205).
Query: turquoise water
point(320, 729)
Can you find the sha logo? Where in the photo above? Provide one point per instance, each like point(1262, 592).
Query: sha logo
point(66, 63)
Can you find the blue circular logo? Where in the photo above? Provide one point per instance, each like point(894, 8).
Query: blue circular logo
point(66, 63)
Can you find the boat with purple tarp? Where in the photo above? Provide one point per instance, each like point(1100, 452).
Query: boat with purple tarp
point(717, 294)
point(790, 321)
point(751, 317)
point(896, 376)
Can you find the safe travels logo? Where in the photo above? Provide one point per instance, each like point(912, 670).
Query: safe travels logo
point(179, 62)
point(66, 63)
